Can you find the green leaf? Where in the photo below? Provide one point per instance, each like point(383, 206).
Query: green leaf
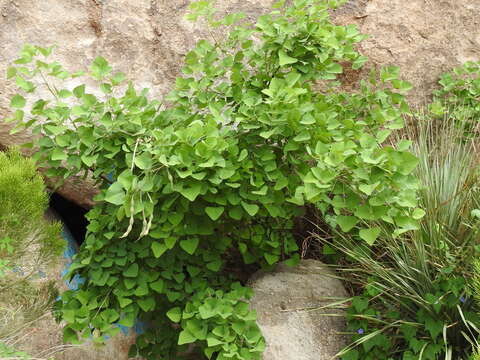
point(141, 289)
point(191, 192)
point(129, 283)
point(64, 94)
point(79, 91)
point(251, 209)
point(236, 213)
point(109, 315)
point(100, 68)
point(118, 78)
point(158, 248)
point(407, 163)
point(334, 68)
point(285, 59)
point(418, 213)
point(359, 62)
point(170, 242)
point(24, 84)
point(293, 261)
point(346, 223)
point(312, 191)
point(143, 161)
point(157, 286)
point(11, 72)
point(128, 320)
point(370, 235)
point(215, 265)
point(404, 145)
point(89, 160)
point(243, 155)
point(17, 101)
point(131, 271)
point(124, 302)
point(189, 245)
point(58, 154)
point(433, 326)
point(271, 258)
point(115, 194)
point(389, 73)
point(186, 337)
point(69, 335)
point(368, 189)
point(214, 212)
point(174, 314)
point(267, 134)
point(175, 218)
point(213, 341)
point(475, 213)
point(403, 86)
point(360, 304)
point(146, 304)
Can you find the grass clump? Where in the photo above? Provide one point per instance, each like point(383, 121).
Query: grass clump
point(27, 242)
point(23, 203)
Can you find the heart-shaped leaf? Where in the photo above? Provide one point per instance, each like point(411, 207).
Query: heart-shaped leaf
point(192, 191)
point(370, 235)
point(115, 194)
point(158, 248)
point(251, 209)
point(174, 314)
point(284, 59)
point(131, 271)
point(186, 337)
point(17, 101)
point(146, 304)
point(157, 286)
point(346, 223)
point(271, 258)
point(189, 245)
point(214, 212)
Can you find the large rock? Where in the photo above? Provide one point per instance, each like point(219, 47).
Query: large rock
point(147, 40)
point(288, 302)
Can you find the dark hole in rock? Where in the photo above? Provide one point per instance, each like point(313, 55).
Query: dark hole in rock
point(72, 215)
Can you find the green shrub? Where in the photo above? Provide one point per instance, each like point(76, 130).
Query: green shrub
point(222, 166)
point(460, 91)
point(24, 202)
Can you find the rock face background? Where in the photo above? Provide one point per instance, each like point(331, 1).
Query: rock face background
point(147, 39)
point(424, 37)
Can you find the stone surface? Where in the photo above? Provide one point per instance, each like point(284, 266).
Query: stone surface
point(147, 40)
point(424, 37)
point(287, 302)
